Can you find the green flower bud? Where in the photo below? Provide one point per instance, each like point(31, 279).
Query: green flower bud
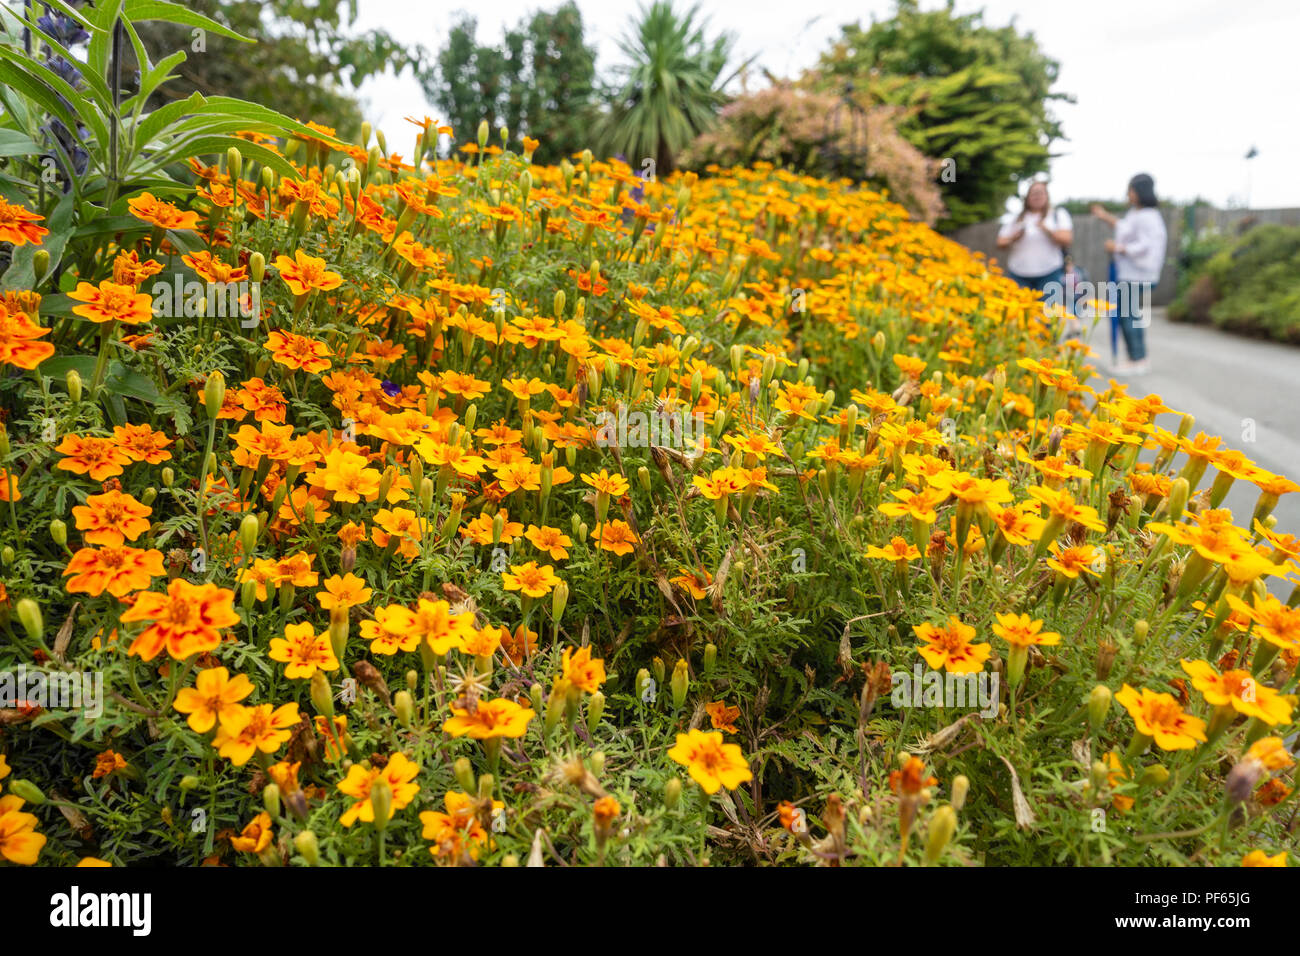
point(465, 774)
point(308, 847)
point(29, 613)
point(960, 787)
point(595, 708)
point(535, 697)
point(59, 532)
point(189, 782)
point(271, 800)
point(404, 707)
point(322, 696)
point(73, 380)
point(1154, 776)
point(672, 792)
point(943, 824)
point(40, 264)
point(248, 529)
point(214, 393)
point(1098, 706)
point(381, 801)
point(28, 791)
point(710, 658)
point(680, 682)
point(559, 600)
point(168, 477)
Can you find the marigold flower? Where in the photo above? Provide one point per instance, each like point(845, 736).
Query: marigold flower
point(950, 648)
point(187, 620)
point(215, 694)
point(255, 837)
point(531, 580)
point(304, 651)
point(490, 718)
point(711, 762)
point(117, 569)
point(1161, 717)
point(112, 302)
point(399, 773)
point(582, 670)
point(164, 215)
point(18, 225)
point(303, 273)
point(247, 730)
point(19, 841)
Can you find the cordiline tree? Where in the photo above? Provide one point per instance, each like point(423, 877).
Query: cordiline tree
point(540, 81)
point(976, 94)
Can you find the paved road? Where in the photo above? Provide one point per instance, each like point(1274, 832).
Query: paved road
point(1226, 382)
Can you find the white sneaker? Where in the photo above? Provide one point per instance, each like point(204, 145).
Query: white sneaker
point(1122, 367)
point(1141, 367)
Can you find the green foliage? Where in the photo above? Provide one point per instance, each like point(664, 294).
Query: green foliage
point(671, 86)
point(1250, 283)
point(307, 62)
point(976, 94)
point(540, 82)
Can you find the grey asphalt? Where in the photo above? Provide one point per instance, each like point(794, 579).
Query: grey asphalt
point(1225, 381)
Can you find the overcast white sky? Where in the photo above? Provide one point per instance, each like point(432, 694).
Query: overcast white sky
point(1177, 88)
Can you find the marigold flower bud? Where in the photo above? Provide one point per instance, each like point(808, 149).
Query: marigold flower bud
point(595, 708)
point(710, 658)
point(672, 792)
point(1098, 706)
point(28, 791)
point(8, 555)
point(680, 682)
point(73, 380)
point(1099, 776)
point(1179, 492)
point(257, 266)
point(1154, 776)
point(381, 802)
point(189, 782)
point(214, 393)
point(960, 787)
point(168, 477)
point(943, 824)
point(1140, 631)
point(404, 707)
point(59, 532)
point(29, 613)
point(248, 530)
point(40, 264)
point(559, 600)
point(271, 800)
point(308, 846)
point(465, 774)
point(322, 696)
point(535, 697)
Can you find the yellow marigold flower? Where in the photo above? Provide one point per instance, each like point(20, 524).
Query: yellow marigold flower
point(393, 629)
point(399, 773)
point(1161, 717)
point(712, 763)
point(613, 485)
point(616, 536)
point(343, 591)
point(255, 837)
point(530, 579)
point(215, 694)
point(898, 549)
point(19, 841)
point(490, 718)
point(950, 648)
point(582, 670)
point(1023, 631)
point(1240, 691)
point(304, 651)
point(1259, 858)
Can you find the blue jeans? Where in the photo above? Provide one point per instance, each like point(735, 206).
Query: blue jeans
point(1127, 302)
point(1039, 283)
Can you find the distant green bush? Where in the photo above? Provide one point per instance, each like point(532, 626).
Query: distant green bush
point(1249, 284)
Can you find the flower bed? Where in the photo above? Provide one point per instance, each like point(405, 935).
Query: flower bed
point(505, 514)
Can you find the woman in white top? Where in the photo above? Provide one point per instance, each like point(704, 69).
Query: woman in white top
point(1138, 252)
point(1037, 239)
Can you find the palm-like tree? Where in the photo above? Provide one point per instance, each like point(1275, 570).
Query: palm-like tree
point(671, 89)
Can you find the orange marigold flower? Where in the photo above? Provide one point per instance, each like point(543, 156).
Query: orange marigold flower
point(711, 762)
point(247, 730)
point(529, 578)
point(255, 837)
point(162, 214)
point(99, 458)
point(298, 351)
point(117, 569)
point(582, 670)
point(950, 648)
point(616, 536)
point(1161, 717)
point(18, 224)
point(304, 651)
point(187, 620)
point(722, 716)
point(303, 273)
point(111, 518)
point(490, 718)
point(18, 334)
point(111, 302)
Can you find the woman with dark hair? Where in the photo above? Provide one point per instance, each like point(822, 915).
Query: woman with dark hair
point(1037, 239)
point(1138, 255)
